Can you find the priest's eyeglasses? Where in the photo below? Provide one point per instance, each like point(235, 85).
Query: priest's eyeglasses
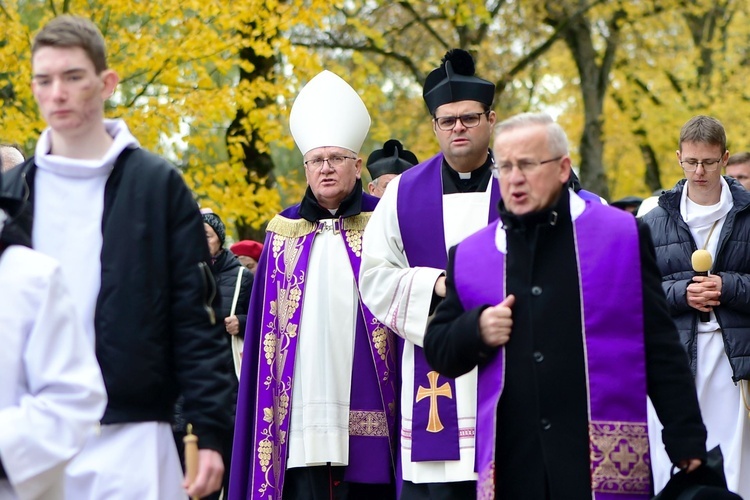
point(333, 161)
point(691, 164)
point(469, 120)
point(525, 166)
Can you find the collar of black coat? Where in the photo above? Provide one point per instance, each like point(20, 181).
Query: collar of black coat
point(311, 211)
point(549, 216)
point(223, 262)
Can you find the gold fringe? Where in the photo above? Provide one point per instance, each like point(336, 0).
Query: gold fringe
point(296, 228)
point(357, 222)
point(290, 228)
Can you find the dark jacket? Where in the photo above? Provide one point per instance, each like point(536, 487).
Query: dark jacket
point(225, 270)
point(674, 249)
point(156, 334)
point(542, 439)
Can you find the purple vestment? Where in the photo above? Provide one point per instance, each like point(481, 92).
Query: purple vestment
point(264, 400)
point(613, 341)
point(420, 217)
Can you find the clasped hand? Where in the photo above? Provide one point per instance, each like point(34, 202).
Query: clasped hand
point(704, 292)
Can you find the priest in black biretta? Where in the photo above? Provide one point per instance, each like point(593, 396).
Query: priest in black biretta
point(386, 163)
point(455, 81)
point(426, 210)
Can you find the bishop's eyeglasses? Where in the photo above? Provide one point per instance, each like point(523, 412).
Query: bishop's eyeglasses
point(469, 120)
point(691, 164)
point(333, 161)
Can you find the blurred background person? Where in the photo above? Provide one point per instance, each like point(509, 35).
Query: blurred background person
point(248, 253)
point(234, 283)
point(738, 166)
point(629, 204)
point(386, 163)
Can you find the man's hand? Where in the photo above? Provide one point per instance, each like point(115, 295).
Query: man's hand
point(689, 465)
point(440, 287)
point(210, 475)
point(232, 325)
point(704, 293)
point(496, 322)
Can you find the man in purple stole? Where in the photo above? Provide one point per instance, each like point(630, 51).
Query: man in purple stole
point(316, 406)
point(560, 305)
point(425, 211)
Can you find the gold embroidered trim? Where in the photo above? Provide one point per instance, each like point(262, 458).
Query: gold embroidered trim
point(380, 339)
point(296, 228)
point(619, 457)
point(368, 423)
point(277, 335)
point(357, 222)
point(486, 483)
point(354, 240)
point(290, 228)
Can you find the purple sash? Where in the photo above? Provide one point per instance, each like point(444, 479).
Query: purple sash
point(435, 432)
point(372, 405)
point(613, 339)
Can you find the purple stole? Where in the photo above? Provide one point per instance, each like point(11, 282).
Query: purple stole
point(613, 340)
point(372, 407)
point(435, 430)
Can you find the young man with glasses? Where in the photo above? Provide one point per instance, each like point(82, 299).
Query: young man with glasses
point(706, 211)
point(316, 409)
point(425, 211)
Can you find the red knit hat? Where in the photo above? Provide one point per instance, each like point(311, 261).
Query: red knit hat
point(248, 248)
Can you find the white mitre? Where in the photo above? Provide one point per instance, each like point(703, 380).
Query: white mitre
point(329, 112)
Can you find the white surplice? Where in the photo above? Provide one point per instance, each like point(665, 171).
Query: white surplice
point(400, 295)
point(319, 425)
point(51, 388)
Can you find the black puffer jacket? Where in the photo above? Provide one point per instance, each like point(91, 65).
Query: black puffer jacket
point(225, 270)
point(674, 248)
point(156, 334)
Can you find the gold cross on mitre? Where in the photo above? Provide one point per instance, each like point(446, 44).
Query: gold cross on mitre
point(433, 422)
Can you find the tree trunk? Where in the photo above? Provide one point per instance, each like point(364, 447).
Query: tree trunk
point(594, 78)
point(255, 161)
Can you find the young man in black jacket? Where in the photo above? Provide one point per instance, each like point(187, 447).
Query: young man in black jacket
point(131, 244)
